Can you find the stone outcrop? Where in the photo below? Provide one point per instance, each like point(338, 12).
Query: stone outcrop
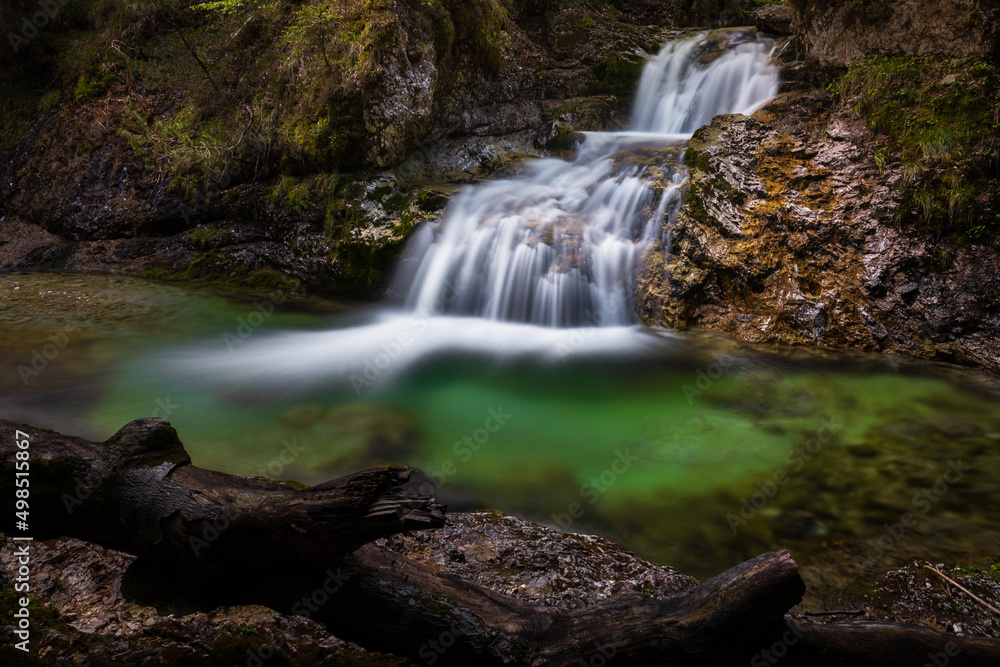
point(89, 190)
point(777, 19)
point(788, 234)
point(837, 33)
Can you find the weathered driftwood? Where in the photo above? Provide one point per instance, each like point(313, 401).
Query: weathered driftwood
point(884, 644)
point(211, 533)
point(210, 537)
point(459, 623)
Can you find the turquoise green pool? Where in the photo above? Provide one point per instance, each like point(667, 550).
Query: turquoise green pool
point(691, 450)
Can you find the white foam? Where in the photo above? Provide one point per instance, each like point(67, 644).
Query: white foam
point(373, 356)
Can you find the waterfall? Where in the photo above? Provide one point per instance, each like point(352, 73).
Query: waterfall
point(539, 267)
point(559, 245)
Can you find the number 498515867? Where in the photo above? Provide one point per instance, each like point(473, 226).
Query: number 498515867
point(21, 481)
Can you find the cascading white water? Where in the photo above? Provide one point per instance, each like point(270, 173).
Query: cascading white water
point(559, 245)
point(515, 262)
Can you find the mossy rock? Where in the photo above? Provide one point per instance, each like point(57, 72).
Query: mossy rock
point(938, 117)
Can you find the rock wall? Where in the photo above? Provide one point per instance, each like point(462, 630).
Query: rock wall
point(788, 234)
point(837, 33)
point(317, 180)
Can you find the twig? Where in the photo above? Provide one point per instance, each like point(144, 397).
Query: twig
point(961, 587)
point(855, 612)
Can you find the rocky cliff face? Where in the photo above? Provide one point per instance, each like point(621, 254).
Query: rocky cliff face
point(314, 160)
point(837, 33)
point(861, 214)
point(788, 235)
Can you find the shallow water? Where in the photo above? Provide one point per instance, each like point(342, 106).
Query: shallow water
point(690, 449)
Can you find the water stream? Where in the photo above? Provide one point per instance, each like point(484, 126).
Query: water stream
point(514, 376)
point(559, 245)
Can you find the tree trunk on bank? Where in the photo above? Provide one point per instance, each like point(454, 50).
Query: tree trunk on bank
point(215, 535)
point(210, 538)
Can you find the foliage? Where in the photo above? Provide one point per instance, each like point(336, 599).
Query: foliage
point(224, 7)
point(941, 119)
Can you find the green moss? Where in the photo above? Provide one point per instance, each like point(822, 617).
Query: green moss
point(207, 238)
point(88, 88)
point(22, 106)
point(313, 197)
point(363, 266)
point(40, 614)
point(42, 617)
point(240, 630)
point(694, 204)
point(483, 30)
point(939, 116)
point(991, 572)
point(563, 139)
point(216, 268)
point(696, 159)
point(616, 75)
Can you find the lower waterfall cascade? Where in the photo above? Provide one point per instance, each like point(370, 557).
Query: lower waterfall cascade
point(559, 245)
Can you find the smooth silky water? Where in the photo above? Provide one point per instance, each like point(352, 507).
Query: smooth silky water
point(691, 447)
point(508, 370)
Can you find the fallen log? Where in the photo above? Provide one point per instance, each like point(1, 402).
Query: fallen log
point(208, 538)
point(210, 533)
point(717, 622)
point(893, 644)
point(212, 537)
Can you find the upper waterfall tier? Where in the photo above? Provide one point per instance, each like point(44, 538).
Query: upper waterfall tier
point(559, 245)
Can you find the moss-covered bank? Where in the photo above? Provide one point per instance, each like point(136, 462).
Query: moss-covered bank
point(124, 120)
